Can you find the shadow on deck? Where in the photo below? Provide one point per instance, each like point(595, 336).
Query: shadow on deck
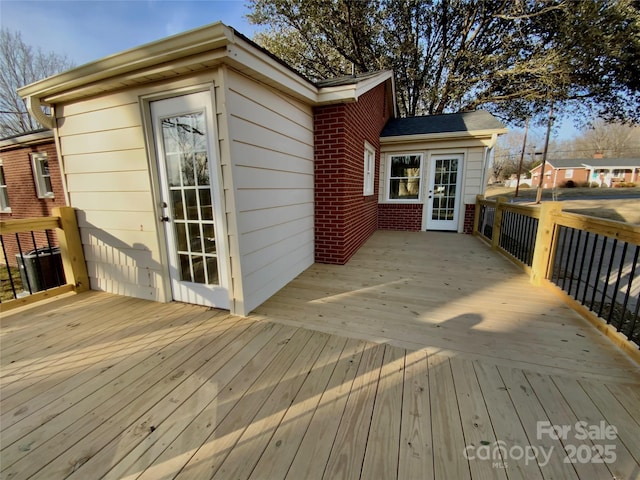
point(406, 363)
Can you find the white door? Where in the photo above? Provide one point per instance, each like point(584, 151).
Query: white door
point(443, 199)
point(191, 206)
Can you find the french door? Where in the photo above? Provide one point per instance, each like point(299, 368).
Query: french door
point(443, 199)
point(191, 206)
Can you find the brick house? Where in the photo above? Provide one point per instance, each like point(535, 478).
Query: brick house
point(30, 184)
point(601, 172)
point(205, 170)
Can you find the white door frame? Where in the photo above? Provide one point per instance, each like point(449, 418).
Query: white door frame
point(428, 223)
point(184, 103)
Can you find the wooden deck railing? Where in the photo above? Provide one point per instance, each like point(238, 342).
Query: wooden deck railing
point(45, 234)
point(593, 262)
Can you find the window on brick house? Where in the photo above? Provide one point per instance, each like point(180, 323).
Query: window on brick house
point(568, 173)
point(4, 196)
point(369, 168)
point(41, 175)
point(404, 177)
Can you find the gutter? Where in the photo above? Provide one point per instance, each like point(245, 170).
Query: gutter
point(212, 44)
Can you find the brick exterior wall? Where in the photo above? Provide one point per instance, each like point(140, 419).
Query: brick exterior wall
point(469, 213)
point(398, 216)
point(344, 217)
point(23, 196)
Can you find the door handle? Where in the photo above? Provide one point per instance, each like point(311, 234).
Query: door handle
point(164, 219)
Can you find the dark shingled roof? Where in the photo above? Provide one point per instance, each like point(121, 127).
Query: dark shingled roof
point(447, 123)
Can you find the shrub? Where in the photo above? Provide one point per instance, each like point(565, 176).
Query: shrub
point(525, 185)
point(569, 184)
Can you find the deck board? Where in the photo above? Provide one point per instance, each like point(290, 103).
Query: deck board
point(347, 373)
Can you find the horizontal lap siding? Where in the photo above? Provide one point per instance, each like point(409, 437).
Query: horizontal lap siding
point(272, 155)
point(103, 148)
point(473, 151)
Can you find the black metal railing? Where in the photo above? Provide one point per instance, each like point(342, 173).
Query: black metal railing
point(593, 260)
point(600, 271)
point(518, 235)
point(31, 262)
point(485, 219)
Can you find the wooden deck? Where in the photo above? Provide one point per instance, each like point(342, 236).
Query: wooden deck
point(423, 348)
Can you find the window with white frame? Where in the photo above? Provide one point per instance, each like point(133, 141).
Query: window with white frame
point(568, 173)
point(405, 172)
point(369, 168)
point(41, 175)
point(4, 196)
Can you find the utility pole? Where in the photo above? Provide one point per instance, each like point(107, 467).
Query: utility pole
point(544, 154)
point(524, 145)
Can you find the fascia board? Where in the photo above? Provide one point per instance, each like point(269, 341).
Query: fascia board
point(441, 136)
point(190, 43)
point(28, 139)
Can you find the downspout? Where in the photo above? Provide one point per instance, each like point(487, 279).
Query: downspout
point(485, 161)
point(35, 109)
point(34, 106)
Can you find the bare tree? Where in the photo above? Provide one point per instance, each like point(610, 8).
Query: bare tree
point(612, 140)
point(511, 57)
point(20, 65)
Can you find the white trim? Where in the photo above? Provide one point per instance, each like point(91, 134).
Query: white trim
point(351, 92)
point(387, 196)
point(32, 138)
point(39, 176)
point(423, 137)
point(369, 169)
point(4, 208)
point(445, 225)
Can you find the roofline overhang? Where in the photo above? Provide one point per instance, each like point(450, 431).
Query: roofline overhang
point(215, 44)
point(442, 136)
point(351, 92)
point(32, 138)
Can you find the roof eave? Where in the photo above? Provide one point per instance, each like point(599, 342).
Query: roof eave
point(32, 138)
point(351, 92)
point(193, 42)
point(488, 133)
point(213, 43)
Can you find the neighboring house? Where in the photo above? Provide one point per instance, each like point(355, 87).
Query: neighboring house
point(205, 170)
point(603, 172)
point(30, 184)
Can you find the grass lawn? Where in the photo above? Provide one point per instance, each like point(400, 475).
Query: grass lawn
point(5, 285)
point(583, 201)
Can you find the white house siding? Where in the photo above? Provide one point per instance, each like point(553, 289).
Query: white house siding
point(106, 170)
point(472, 149)
point(107, 173)
point(271, 147)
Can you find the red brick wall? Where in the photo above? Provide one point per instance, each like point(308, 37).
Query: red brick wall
point(398, 216)
point(23, 196)
point(344, 217)
point(469, 212)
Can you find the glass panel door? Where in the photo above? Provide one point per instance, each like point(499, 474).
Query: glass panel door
point(190, 190)
point(444, 192)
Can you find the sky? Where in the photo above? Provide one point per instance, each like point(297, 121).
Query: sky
point(89, 30)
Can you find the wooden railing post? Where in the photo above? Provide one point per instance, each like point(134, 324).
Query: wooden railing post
point(476, 214)
point(543, 249)
point(75, 268)
point(497, 223)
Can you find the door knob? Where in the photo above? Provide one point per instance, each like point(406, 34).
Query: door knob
point(164, 219)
